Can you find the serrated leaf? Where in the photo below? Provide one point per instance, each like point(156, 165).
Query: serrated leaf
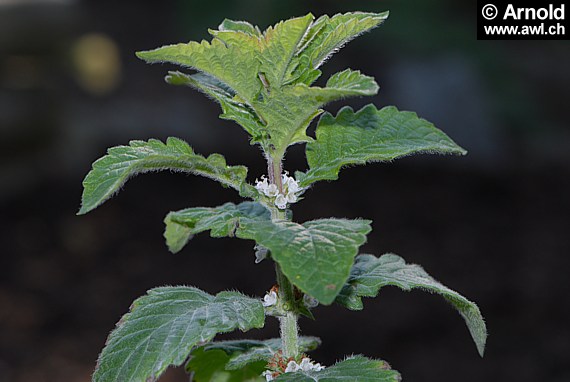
point(370, 135)
point(278, 47)
point(289, 112)
point(232, 108)
point(163, 326)
point(369, 274)
point(348, 83)
point(243, 352)
point(221, 221)
point(261, 79)
point(110, 172)
point(353, 369)
point(326, 36)
point(210, 366)
point(315, 256)
point(239, 26)
point(234, 65)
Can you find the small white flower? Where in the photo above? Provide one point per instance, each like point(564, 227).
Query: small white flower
point(288, 195)
point(291, 197)
point(306, 364)
point(269, 299)
point(292, 366)
point(318, 367)
point(262, 185)
point(260, 253)
point(268, 375)
point(272, 190)
point(281, 202)
point(292, 185)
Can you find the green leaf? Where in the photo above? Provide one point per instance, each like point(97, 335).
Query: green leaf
point(353, 369)
point(110, 172)
point(221, 221)
point(234, 65)
point(370, 273)
point(370, 135)
point(243, 352)
point(289, 112)
point(326, 36)
point(163, 326)
point(348, 83)
point(232, 108)
point(238, 360)
point(210, 366)
point(316, 256)
point(239, 26)
point(261, 80)
point(278, 47)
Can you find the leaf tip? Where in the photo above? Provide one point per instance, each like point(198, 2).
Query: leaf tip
point(85, 208)
point(481, 350)
point(145, 55)
point(481, 342)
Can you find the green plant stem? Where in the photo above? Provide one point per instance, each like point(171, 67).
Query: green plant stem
point(274, 169)
point(288, 323)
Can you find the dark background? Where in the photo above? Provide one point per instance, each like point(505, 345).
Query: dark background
point(492, 225)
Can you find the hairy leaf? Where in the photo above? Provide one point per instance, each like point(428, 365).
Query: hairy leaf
point(235, 65)
point(370, 135)
point(371, 273)
point(232, 108)
point(353, 369)
point(261, 80)
point(278, 47)
point(316, 256)
point(163, 326)
point(326, 36)
point(110, 172)
point(243, 352)
point(348, 83)
point(287, 115)
point(239, 26)
point(289, 112)
point(221, 221)
point(211, 366)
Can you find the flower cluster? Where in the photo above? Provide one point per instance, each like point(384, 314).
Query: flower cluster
point(305, 365)
point(291, 190)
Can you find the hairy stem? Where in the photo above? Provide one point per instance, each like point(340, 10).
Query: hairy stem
point(289, 335)
point(274, 170)
point(288, 323)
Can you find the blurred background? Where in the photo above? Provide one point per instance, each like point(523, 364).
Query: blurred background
point(493, 225)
